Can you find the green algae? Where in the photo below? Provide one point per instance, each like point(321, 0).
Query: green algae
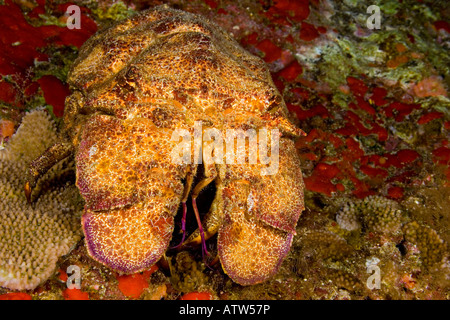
point(116, 12)
point(356, 51)
point(58, 64)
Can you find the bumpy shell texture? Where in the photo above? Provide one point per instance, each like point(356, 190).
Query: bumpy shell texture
point(133, 85)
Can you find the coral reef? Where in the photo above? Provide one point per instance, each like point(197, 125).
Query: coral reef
point(327, 245)
point(187, 274)
point(349, 217)
point(339, 263)
point(33, 237)
point(433, 250)
point(375, 213)
point(374, 103)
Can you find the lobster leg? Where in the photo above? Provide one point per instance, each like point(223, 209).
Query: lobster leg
point(211, 223)
point(187, 189)
point(211, 174)
point(45, 162)
point(200, 235)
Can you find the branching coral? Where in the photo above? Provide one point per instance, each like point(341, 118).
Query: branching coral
point(33, 237)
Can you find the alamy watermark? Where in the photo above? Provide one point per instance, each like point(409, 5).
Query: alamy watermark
point(74, 19)
point(374, 280)
point(209, 146)
point(74, 277)
point(374, 21)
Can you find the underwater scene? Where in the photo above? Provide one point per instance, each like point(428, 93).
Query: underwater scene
point(224, 150)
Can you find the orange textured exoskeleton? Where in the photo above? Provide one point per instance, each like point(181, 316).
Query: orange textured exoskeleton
point(135, 84)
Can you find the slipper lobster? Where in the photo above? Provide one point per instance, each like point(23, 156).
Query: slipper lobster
point(139, 87)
